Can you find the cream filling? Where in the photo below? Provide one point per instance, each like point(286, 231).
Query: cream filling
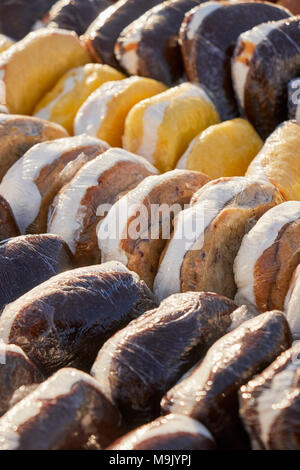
point(68, 86)
point(154, 115)
point(199, 16)
point(239, 68)
point(189, 228)
point(182, 162)
point(259, 239)
point(18, 186)
point(291, 305)
point(58, 385)
point(70, 212)
point(94, 110)
point(113, 228)
point(269, 403)
point(130, 41)
point(168, 425)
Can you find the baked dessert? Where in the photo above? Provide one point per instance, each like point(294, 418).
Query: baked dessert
point(31, 184)
point(266, 58)
point(74, 15)
point(269, 404)
point(140, 363)
point(210, 392)
point(268, 255)
point(208, 35)
point(103, 33)
point(19, 133)
point(292, 5)
point(80, 206)
point(103, 114)
point(224, 149)
point(161, 128)
point(37, 61)
point(207, 236)
point(149, 46)
point(291, 305)
point(63, 101)
point(16, 371)
point(136, 229)
point(18, 16)
point(66, 412)
point(5, 42)
point(66, 319)
point(279, 162)
point(8, 225)
point(171, 432)
point(29, 260)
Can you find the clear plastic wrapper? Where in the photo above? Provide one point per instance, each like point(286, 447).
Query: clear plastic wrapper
point(65, 320)
point(66, 412)
point(141, 362)
point(270, 403)
point(210, 392)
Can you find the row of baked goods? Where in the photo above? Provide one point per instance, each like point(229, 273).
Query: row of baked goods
point(80, 381)
point(245, 68)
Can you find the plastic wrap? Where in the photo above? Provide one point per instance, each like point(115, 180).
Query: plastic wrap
point(65, 320)
point(161, 128)
point(225, 149)
point(142, 231)
point(278, 160)
point(269, 404)
point(37, 61)
point(75, 15)
point(8, 225)
point(32, 182)
point(74, 212)
point(19, 133)
point(27, 261)
point(141, 362)
point(208, 234)
point(18, 16)
point(210, 392)
point(16, 370)
point(172, 432)
point(103, 33)
point(66, 412)
point(104, 113)
point(267, 257)
point(273, 60)
point(208, 35)
point(62, 102)
point(149, 46)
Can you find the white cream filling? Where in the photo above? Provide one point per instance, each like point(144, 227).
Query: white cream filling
point(239, 69)
point(94, 110)
point(182, 162)
point(68, 85)
point(269, 402)
point(113, 228)
point(292, 305)
point(154, 114)
point(59, 384)
point(130, 59)
point(18, 186)
point(199, 16)
point(189, 228)
point(168, 425)
point(69, 211)
point(259, 239)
